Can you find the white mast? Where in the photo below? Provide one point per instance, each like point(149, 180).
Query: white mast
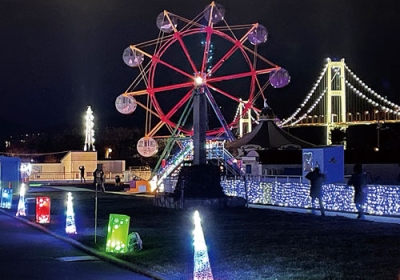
point(89, 131)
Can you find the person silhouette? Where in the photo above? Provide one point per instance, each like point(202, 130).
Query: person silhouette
point(82, 169)
point(359, 180)
point(316, 179)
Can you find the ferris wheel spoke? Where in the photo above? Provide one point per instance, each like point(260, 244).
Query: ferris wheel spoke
point(178, 36)
point(219, 114)
point(136, 92)
point(148, 109)
point(241, 75)
point(156, 128)
point(151, 90)
point(174, 68)
point(179, 104)
point(224, 93)
point(224, 58)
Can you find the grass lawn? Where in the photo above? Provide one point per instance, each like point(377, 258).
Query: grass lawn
point(242, 243)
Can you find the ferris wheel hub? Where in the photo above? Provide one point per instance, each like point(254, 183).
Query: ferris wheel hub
point(199, 81)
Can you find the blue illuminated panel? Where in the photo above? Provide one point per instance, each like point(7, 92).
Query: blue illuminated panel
point(6, 197)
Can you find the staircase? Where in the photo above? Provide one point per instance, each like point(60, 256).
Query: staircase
point(214, 149)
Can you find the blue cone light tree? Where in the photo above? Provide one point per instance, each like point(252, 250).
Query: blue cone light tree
point(70, 226)
point(21, 210)
point(202, 268)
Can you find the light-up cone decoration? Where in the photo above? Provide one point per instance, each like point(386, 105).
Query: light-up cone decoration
point(21, 210)
point(6, 198)
point(202, 268)
point(43, 209)
point(70, 227)
point(117, 234)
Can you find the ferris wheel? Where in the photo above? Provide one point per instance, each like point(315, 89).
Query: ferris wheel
point(206, 56)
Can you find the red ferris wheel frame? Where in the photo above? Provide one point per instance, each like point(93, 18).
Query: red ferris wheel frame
point(156, 59)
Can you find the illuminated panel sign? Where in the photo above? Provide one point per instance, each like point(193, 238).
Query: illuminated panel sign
point(117, 233)
point(43, 209)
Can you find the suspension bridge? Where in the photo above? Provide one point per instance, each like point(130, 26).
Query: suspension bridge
point(340, 99)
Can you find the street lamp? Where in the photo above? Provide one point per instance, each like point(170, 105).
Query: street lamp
point(108, 152)
point(350, 117)
point(366, 115)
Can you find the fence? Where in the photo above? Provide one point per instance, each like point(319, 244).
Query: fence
point(293, 191)
point(60, 176)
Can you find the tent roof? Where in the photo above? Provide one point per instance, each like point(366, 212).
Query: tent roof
point(269, 136)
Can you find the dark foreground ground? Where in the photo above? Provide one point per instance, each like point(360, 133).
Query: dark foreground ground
point(242, 243)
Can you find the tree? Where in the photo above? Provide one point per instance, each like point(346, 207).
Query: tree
point(68, 140)
point(338, 136)
point(121, 140)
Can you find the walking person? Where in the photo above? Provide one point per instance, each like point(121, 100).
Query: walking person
point(117, 180)
point(95, 178)
point(359, 180)
point(102, 180)
point(99, 179)
point(82, 169)
point(316, 179)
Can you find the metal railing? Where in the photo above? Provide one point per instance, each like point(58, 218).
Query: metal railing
point(61, 176)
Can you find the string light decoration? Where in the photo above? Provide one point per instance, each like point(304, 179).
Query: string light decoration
point(70, 226)
point(202, 268)
point(381, 200)
point(89, 131)
point(21, 209)
point(370, 91)
point(309, 95)
point(186, 150)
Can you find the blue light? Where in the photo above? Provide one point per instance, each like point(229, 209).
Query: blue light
point(381, 200)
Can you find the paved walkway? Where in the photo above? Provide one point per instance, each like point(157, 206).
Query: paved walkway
point(30, 251)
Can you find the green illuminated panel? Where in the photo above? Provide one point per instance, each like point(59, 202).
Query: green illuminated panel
point(117, 234)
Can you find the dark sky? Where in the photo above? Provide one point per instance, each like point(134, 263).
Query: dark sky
point(57, 57)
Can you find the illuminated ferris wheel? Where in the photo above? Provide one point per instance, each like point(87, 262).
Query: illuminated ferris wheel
point(200, 56)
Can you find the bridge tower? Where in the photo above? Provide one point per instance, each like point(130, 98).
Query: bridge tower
point(245, 122)
point(335, 101)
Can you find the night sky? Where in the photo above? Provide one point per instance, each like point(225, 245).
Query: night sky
point(58, 57)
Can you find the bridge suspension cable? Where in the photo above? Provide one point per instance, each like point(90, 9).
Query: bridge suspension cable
point(307, 99)
point(373, 96)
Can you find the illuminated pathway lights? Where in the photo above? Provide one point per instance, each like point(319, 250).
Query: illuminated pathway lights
point(6, 198)
point(21, 211)
point(202, 268)
point(70, 227)
point(43, 209)
point(117, 235)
